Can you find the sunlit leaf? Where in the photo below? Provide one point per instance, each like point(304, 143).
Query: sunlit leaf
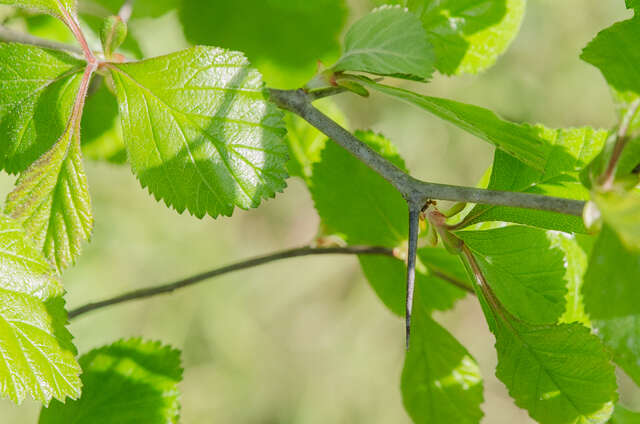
point(468, 35)
point(35, 347)
point(199, 132)
point(37, 91)
point(559, 373)
point(526, 269)
point(615, 52)
point(59, 8)
point(128, 382)
point(441, 382)
point(51, 200)
point(389, 41)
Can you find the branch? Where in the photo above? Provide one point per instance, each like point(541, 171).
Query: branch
point(416, 192)
point(11, 36)
point(250, 263)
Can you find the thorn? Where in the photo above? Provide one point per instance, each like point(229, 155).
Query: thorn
point(414, 227)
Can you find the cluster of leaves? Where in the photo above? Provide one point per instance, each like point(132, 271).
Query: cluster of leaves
point(201, 134)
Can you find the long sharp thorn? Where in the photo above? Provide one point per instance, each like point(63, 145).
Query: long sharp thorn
point(414, 228)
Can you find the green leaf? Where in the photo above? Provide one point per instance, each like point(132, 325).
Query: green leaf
point(573, 149)
point(389, 41)
point(58, 8)
point(622, 415)
point(612, 299)
point(435, 272)
point(441, 382)
point(559, 373)
point(129, 382)
point(285, 39)
point(37, 91)
point(615, 52)
point(468, 35)
point(526, 269)
point(52, 202)
point(142, 9)
point(199, 132)
point(621, 211)
point(524, 142)
point(355, 201)
point(37, 353)
point(575, 259)
point(101, 131)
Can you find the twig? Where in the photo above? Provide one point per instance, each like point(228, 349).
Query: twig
point(9, 35)
point(72, 24)
point(609, 175)
point(416, 192)
point(250, 263)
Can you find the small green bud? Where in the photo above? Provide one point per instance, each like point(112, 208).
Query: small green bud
point(112, 35)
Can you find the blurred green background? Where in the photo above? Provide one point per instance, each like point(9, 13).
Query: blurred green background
point(306, 340)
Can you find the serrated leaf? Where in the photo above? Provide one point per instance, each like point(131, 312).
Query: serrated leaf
point(37, 91)
point(526, 270)
point(389, 41)
point(441, 382)
point(522, 141)
point(622, 415)
point(51, 200)
point(632, 4)
point(436, 270)
point(559, 373)
point(128, 382)
point(468, 35)
point(58, 8)
point(615, 52)
point(284, 39)
point(621, 211)
point(199, 132)
point(375, 211)
point(612, 299)
point(573, 149)
point(36, 349)
point(575, 259)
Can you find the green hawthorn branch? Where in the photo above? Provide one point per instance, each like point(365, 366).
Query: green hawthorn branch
point(250, 263)
point(416, 192)
point(11, 36)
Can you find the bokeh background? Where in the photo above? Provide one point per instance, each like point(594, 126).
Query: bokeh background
point(306, 340)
